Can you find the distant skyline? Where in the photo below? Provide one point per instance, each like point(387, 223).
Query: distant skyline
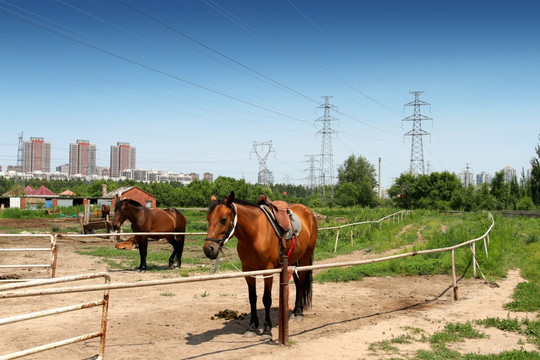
point(192, 84)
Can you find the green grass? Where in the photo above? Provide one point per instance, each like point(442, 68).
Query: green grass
point(456, 332)
point(526, 298)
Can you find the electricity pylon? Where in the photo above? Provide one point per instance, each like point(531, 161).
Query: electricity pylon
point(326, 176)
point(265, 176)
point(417, 148)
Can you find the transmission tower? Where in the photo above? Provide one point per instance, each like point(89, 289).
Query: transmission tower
point(417, 149)
point(312, 177)
point(259, 148)
point(326, 176)
point(20, 153)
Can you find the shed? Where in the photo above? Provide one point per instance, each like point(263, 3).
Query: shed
point(133, 193)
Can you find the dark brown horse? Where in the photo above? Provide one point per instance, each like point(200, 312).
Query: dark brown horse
point(105, 212)
point(259, 249)
point(146, 220)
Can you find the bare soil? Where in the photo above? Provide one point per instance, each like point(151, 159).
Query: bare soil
point(184, 321)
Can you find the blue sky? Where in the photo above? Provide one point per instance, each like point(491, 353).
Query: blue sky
point(193, 84)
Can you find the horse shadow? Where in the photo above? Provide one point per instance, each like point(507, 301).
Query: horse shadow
point(237, 326)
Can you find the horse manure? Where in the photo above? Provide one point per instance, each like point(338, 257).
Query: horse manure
point(228, 315)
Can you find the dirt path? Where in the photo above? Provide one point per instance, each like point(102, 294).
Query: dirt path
point(179, 322)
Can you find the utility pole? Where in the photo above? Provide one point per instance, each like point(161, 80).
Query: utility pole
point(312, 177)
point(265, 176)
point(379, 187)
point(417, 148)
point(326, 176)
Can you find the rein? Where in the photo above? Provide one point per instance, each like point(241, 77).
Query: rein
point(230, 231)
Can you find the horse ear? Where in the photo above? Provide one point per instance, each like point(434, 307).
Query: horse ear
point(213, 198)
point(230, 198)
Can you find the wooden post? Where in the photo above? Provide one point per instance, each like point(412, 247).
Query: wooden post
point(86, 216)
point(337, 237)
point(283, 338)
point(454, 276)
point(473, 247)
point(352, 240)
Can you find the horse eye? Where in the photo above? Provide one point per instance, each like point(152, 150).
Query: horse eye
point(223, 221)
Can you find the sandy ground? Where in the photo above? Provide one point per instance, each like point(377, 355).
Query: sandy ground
point(180, 322)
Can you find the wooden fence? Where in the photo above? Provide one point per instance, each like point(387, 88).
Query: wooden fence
point(39, 314)
point(284, 272)
point(52, 248)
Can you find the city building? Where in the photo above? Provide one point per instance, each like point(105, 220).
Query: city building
point(509, 174)
point(209, 177)
point(466, 177)
point(122, 158)
point(82, 158)
point(36, 155)
point(483, 178)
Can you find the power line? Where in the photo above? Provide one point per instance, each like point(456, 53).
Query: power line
point(215, 51)
point(134, 62)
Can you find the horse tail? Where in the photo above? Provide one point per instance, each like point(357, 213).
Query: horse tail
point(308, 285)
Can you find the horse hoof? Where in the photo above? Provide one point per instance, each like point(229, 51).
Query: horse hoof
point(297, 318)
point(250, 334)
point(142, 271)
point(266, 336)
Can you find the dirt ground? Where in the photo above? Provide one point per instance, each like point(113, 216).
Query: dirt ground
point(181, 322)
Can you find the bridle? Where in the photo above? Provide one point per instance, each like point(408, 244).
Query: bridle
point(230, 230)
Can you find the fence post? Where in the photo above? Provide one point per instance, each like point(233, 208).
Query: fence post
point(454, 276)
point(104, 314)
point(473, 247)
point(337, 237)
point(283, 338)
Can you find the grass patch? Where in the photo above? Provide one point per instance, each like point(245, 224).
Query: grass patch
point(526, 298)
point(454, 332)
point(526, 327)
point(441, 352)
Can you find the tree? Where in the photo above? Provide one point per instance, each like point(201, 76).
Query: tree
point(356, 181)
point(500, 190)
point(535, 177)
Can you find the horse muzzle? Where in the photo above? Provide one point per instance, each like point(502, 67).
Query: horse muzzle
point(211, 249)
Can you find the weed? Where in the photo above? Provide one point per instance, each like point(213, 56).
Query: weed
point(456, 332)
point(526, 298)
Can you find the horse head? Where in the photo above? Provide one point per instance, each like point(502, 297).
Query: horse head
point(121, 212)
point(222, 219)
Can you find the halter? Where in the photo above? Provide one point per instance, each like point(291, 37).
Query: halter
point(230, 230)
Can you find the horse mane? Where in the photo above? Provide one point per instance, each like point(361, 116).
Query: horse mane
point(130, 201)
point(221, 201)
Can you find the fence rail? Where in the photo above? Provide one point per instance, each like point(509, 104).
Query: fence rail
point(6, 292)
point(53, 249)
point(39, 314)
point(397, 215)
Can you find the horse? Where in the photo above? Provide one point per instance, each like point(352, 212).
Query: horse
point(147, 220)
point(259, 248)
point(105, 212)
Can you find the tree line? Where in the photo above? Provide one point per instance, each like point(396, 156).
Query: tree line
point(356, 186)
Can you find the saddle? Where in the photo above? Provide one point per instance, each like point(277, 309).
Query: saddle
point(286, 224)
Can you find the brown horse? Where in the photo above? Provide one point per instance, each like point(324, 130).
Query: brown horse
point(105, 212)
point(259, 249)
point(146, 220)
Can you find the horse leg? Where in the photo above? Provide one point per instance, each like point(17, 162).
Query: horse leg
point(254, 321)
point(180, 239)
point(267, 301)
point(172, 241)
point(142, 242)
point(303, 283)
